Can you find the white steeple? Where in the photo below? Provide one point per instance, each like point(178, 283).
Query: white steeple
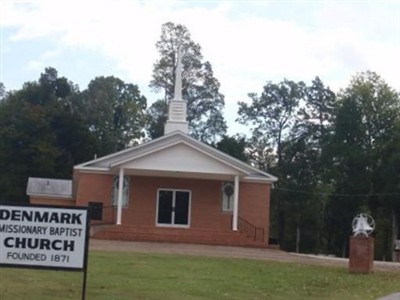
point(177, 107)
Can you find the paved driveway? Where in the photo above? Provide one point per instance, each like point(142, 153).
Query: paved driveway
point(233, 252)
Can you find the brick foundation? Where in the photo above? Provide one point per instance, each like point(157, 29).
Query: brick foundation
point(175, 235)
point(52, 201)
point(361, 257)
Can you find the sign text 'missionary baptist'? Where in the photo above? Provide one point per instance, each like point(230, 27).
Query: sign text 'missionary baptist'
point(43, 236)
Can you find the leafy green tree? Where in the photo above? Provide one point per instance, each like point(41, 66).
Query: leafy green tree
point(272, 117)
point(39, 135)
point(349, 177)
point(156, 118)
point(200, 88)
point(274, 113)
point(319, 106)
point(316, 119)
point(234, 146)
point(308, 166)
point(387, 205)
point(2, 91)
point(365, 129)
point(298, 207)
point(291, 127)
point(115, 113)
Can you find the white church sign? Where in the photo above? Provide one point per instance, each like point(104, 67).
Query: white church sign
point(37, 236)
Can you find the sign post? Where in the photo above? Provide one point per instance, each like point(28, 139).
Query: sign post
point(45, 237)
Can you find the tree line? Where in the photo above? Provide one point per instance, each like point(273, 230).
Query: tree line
point(335, 154)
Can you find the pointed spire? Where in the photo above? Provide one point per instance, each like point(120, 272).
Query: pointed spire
point(177, 107)
point(178, 76)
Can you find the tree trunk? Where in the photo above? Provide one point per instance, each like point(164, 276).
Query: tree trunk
point(344, 249)
point(298, 239)
point(394, 233)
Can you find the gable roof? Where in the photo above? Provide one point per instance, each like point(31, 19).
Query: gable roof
point(176, 152)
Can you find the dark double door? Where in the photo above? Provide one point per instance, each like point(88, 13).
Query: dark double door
point(173, 207)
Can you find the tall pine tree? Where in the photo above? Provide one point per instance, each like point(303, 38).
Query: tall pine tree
point(200, 88)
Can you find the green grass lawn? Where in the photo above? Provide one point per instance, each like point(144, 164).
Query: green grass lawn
point(147, 276)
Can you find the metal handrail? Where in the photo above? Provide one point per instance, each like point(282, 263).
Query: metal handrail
point(251, 230)
point(108, 216)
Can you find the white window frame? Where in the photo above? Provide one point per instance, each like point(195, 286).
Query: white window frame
point(173, 203)
point(125, 193)
point(224, 198)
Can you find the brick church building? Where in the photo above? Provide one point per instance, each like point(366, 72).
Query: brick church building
point(171, 189)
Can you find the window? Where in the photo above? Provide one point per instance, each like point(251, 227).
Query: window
point(173, 208)
point(228, 190)
point(125, 191)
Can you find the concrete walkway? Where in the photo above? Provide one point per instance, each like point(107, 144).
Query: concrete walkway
point(395, 296)
point(232, 252)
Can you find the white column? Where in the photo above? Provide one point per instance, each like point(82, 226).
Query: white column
point(235, 204)
point(120, 191)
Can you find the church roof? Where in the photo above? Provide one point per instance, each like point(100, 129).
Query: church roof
point(46, 187)
point(176, 154)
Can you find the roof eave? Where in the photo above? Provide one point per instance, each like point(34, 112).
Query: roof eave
point(83, 165)
point(94, 169)
point(259, 179)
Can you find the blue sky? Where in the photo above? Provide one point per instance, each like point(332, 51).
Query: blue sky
point(247, 42)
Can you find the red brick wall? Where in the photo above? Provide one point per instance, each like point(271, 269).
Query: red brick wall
point(206, 200)
point(52, 201)
point(361, 258)
point(94, 187)
point(254, 204)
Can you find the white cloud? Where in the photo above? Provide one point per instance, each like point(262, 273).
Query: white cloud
point(35, 65)
point(333, 40)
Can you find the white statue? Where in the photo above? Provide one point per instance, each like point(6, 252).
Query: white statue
point(363, 224)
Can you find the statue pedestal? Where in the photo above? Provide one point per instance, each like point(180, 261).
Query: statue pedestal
point(361, 257)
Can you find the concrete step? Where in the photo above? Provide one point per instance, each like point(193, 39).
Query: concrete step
point(179, 235)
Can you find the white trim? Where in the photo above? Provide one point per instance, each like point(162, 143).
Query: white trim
point(235, 205)
point(173, 203)
point(145, 144)
point(120, 190)
point(94, 169)
point(171, 140)
point(256, 180)
point(172, 225)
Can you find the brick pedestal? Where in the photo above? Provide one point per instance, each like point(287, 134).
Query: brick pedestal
point(361, 257)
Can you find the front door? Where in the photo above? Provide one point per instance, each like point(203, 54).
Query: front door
point(173, 208)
